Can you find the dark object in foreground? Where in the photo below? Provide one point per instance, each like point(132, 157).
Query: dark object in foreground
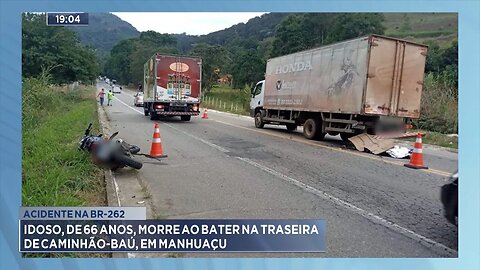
point(449, 198)
point(110, 153)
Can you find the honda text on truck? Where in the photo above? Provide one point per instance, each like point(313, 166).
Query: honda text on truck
point(172, 86)
point(370, 84)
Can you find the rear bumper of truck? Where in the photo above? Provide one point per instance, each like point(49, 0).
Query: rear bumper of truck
point(176, 113)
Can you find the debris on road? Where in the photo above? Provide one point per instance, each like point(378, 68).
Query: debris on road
point(399, 152)
point(375, 146)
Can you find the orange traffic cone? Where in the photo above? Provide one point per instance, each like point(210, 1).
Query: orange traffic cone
point(205, 113)
point(156, 149)
point(416, 161)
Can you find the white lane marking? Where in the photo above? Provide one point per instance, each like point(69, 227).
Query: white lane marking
point(117, 194)
point(377, 219)
point(219, 148)
point(117, 189)
point(128, 106)
point(232, 115)
point(370, 216)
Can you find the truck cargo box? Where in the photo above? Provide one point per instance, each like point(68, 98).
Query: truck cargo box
point(373, 75)
point(169, 77)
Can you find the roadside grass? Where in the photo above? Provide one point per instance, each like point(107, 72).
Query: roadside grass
point(439, 139)
point(54, 171)
point(224, 98)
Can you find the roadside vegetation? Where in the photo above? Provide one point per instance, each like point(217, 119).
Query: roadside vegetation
point(58, 102)
point(224, 98)
point(54, 172)
point(56, 108)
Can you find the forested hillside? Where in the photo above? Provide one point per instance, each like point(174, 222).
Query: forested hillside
point(104, 30)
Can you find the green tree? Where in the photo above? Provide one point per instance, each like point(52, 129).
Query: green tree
point(56, 49)
point(347, 26)
point(248, 68)
point(118, 64)
point(127, 57)
point(290, 36)
point(213, 60)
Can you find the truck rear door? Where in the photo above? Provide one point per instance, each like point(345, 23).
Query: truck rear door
point(394, 78)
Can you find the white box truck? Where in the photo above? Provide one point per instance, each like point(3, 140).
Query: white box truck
point(369, 84)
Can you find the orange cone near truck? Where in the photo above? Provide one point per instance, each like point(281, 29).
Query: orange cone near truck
point(416, 161)
point(205, 114)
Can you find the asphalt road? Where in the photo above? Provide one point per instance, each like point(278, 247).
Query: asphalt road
point(224, 167)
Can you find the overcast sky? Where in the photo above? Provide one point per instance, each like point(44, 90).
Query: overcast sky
point(193, 23)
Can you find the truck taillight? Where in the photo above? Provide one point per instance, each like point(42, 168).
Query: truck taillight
point(159, 106)
point(195, 108)
point(408, 126)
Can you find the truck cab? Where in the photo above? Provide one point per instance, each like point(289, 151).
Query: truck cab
point(258, 93)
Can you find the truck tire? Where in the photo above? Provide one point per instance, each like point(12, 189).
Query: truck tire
point(259, 120)
point(185, 117)
point(291, 127)
point(312, 129)
point(146, 110)
point(153, 115)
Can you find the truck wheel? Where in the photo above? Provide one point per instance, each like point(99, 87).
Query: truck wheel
point(186, 117)
point(259, 120)
point(153, 115)
point(146, 111)
point(312, 130)
point(291, 127)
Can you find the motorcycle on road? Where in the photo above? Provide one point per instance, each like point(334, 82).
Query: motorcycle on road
point(449, 198)
point(111, 153)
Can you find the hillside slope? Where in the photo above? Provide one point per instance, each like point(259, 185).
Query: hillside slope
point(422, 27)
point(104, 31)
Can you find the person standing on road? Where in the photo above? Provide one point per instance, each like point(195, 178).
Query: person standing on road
point(101, 95)
point(109, 98)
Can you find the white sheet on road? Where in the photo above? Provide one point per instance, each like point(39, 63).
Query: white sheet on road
point(399, 152)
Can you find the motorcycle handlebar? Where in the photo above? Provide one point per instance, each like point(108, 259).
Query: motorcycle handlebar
point(87, 131)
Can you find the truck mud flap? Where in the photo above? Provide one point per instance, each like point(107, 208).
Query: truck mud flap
point(375, 146)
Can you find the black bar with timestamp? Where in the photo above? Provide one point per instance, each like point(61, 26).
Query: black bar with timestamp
point(67, 18)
